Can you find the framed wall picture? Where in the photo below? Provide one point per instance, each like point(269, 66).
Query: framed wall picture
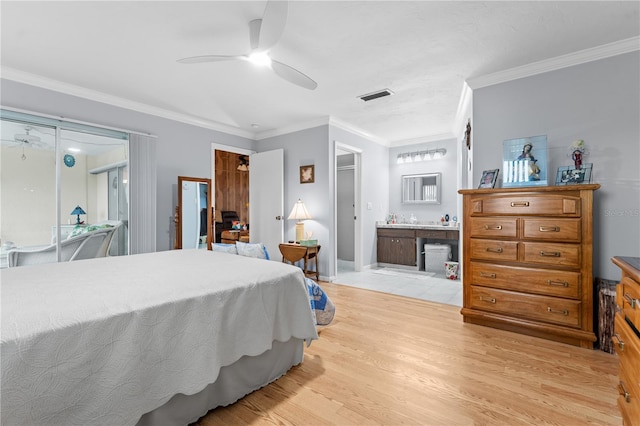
point(488, 179)
point(569, 175)
point(524, 162)
point(307, 174)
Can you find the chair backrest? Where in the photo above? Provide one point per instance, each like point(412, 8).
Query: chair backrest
point(89, 245)
point(292, 253)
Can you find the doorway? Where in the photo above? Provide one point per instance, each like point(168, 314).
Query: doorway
point(348, 229)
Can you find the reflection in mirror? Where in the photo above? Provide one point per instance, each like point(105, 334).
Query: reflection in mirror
point(421, 189)
point(193, 215)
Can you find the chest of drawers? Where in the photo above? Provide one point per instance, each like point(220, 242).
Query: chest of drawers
point(527, 255)
point(626, 338)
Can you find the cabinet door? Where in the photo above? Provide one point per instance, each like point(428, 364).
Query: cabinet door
point(387, 250)
point(406, 252)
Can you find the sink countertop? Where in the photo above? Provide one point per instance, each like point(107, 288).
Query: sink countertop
point(415, 226)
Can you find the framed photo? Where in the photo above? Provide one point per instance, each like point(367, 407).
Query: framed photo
point(488, 179)
point(524, 162)
point(307, 174)
point(569, 175)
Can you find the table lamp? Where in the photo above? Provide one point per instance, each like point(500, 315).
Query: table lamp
point(300, 213)
point(78, 211)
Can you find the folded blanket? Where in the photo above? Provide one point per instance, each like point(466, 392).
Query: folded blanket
point(322, 307)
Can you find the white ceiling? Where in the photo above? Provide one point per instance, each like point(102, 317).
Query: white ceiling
point(423, 51)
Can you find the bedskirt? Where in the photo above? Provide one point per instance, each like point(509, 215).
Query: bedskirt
point(248, 374)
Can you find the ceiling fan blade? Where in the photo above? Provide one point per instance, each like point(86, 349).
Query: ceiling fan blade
point(292, 75)
point(209, 58)
point(273, 22)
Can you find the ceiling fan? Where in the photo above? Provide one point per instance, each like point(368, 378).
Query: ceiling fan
point(263, 35)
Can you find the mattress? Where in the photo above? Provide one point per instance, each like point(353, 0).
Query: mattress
point(104, 341)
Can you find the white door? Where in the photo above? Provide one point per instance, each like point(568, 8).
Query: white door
point(266, 200)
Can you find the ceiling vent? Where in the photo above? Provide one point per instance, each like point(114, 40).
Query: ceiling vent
point(375, 95)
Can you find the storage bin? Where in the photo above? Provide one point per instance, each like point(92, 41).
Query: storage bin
point(435, 256)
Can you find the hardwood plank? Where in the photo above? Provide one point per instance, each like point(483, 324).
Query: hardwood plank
point(389, 360)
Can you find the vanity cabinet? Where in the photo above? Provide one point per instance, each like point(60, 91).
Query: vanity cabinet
point(626, 339)
point(527, 261)
point(397, 246)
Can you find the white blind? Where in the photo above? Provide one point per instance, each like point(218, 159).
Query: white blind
point(142, 194)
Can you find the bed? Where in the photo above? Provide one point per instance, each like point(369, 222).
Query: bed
point(134, 339)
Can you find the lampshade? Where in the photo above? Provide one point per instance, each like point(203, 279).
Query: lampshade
point(78, 210)
point(299, 211)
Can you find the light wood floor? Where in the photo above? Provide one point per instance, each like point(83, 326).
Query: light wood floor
point(392, 360)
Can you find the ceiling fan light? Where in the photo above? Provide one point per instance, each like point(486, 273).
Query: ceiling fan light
point(261, 59)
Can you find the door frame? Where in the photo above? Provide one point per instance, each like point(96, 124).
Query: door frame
point(221, 147)
point(357, 199)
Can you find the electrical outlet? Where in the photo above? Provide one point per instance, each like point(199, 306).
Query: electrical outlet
point(369, 205)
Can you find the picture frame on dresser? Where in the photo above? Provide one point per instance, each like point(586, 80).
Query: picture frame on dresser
point(489, 178)
point(524, 162)
point(569, 175)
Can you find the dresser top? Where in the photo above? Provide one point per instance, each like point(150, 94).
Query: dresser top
point(557, 188)
point(630, 265)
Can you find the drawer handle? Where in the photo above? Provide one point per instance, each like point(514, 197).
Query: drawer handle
point(497, 227)
point(558, 283)
point(549, 229)
point(618, 341)
point(549, 253)
point(520, 204)
point(564, 312)
point(488, 299)
point(494, 250)
point(486, 275)
point(631, 300)
point(624, 392)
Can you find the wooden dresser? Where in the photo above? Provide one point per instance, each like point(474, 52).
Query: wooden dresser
point(626, 338)
point(527, 261)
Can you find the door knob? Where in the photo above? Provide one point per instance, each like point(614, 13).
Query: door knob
point(278, 217)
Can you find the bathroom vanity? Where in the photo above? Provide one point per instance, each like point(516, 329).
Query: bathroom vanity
point(402, 244)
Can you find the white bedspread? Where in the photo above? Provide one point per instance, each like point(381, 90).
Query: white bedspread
point(104, 341)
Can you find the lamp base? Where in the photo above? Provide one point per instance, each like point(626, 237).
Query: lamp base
point(299, 231)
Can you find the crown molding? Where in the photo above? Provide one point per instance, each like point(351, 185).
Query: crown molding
point(323, 121)
point(576, 58)
point(357, 131)
point(70, 89)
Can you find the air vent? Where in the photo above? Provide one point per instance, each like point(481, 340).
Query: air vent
point(375, 95)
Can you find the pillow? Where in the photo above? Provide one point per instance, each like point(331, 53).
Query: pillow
point(224, 248)
point(79, 229)
point(257, 250)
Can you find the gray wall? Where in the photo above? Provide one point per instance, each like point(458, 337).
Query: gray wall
point(447, 166)
point(598, 102)
point(183, 149)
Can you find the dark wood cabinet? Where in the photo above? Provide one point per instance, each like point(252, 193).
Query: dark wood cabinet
point(397, 246)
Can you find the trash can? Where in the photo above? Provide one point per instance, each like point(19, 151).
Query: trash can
point(435, 256)
point(451, 270)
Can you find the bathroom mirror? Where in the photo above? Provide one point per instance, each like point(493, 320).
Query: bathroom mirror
point(421, 189)
point(193, 214)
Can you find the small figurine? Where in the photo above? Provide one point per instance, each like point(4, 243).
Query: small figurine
point(577, 150)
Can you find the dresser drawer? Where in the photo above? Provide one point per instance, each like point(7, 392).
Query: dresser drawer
point(562, 230)
point(493, 250)
point(549, 204)
point(627, 345)
point(552, 254)
point(628, 299)
point(540, 281)
point(552, 310)
point(493, 227)
point(628, 399)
